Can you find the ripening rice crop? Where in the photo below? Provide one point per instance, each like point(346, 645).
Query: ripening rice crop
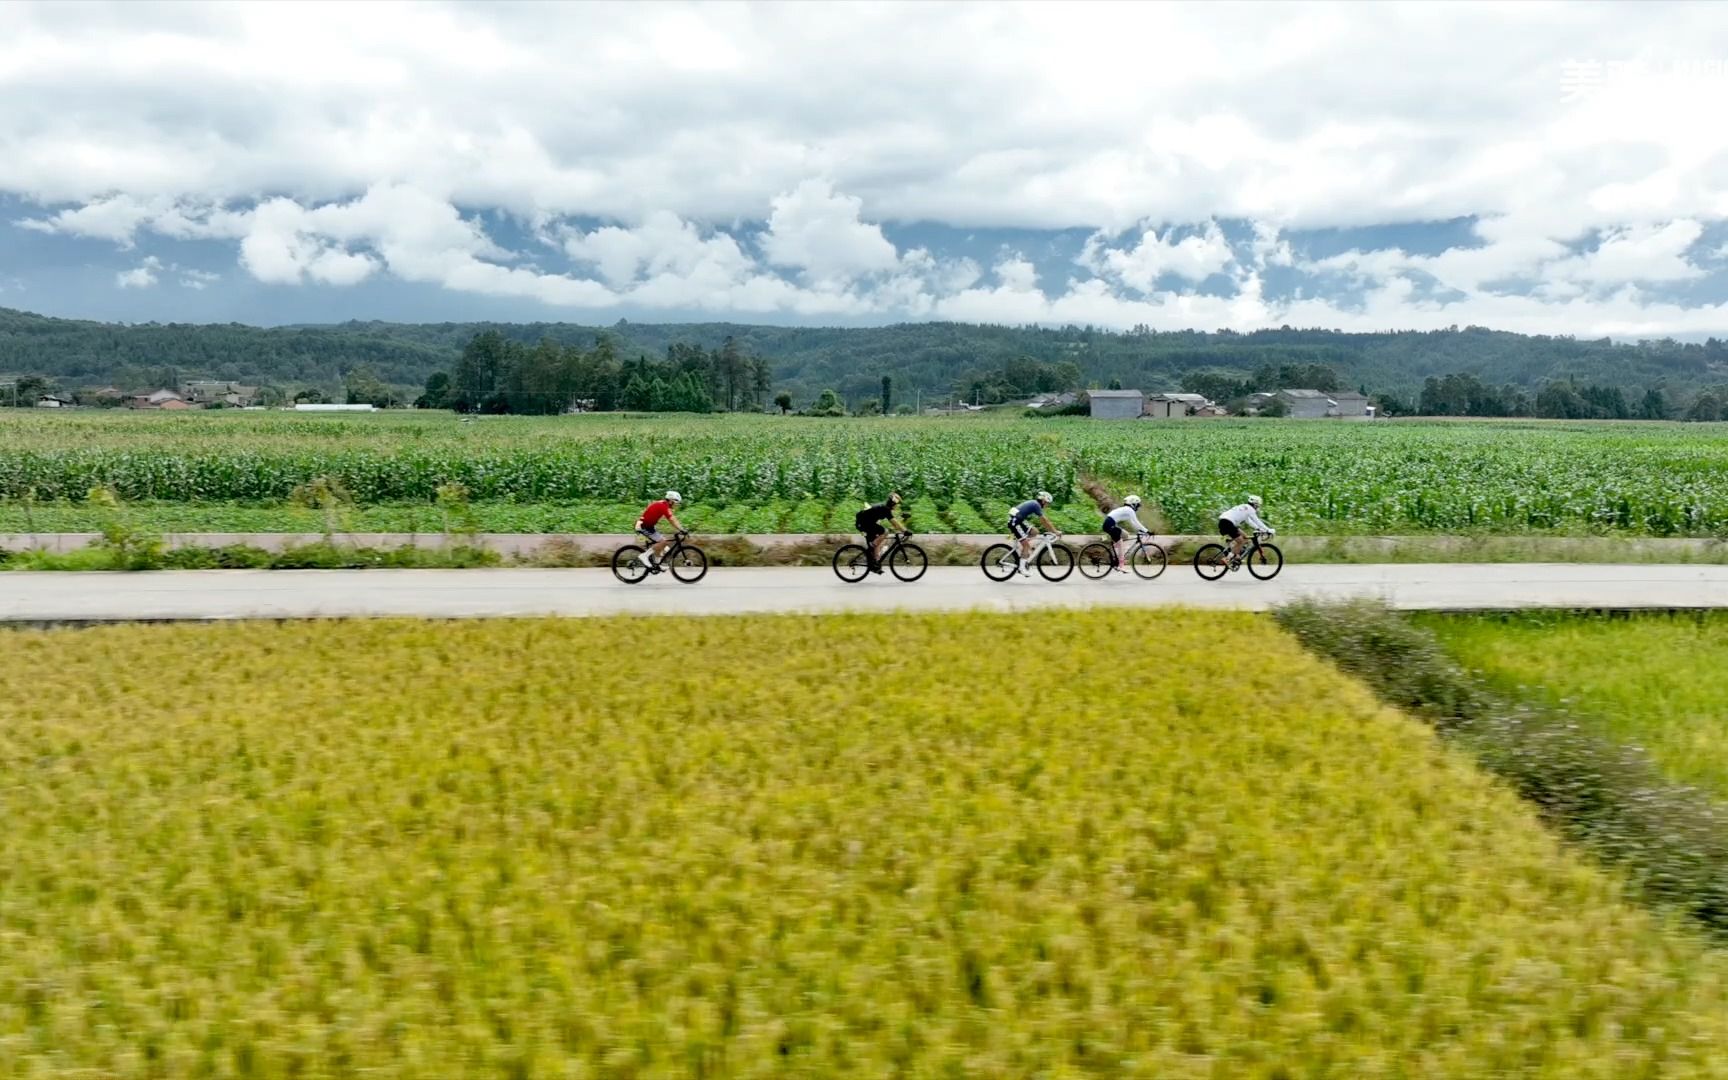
point(1656, 680)
point(955, 845)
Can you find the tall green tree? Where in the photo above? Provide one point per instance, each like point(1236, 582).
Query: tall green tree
point(475, 379)
point(761, 379)
point(1654, 406)
point(734, 369)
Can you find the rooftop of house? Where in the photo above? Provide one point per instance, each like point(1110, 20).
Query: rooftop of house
point(1115, 393)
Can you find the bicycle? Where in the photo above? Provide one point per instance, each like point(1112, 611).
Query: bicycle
point(686, 562)
point(907, 560)
point(1055, 560)
point(1264, 560)
point(1099, 558)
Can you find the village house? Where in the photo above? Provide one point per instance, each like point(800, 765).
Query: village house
point(1173, 406)
point(1116, 404)
point(1314, 404)
point(211, 391)
point(157, 399)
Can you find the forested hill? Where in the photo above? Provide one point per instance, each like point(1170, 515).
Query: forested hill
point(934, 358)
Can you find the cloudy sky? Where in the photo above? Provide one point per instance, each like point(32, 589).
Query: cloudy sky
point(1538, 167)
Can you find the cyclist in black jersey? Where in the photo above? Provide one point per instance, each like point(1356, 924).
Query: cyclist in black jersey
point(869, 522)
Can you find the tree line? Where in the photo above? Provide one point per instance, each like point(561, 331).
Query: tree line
point(1463, 394)
point(979, 362)
point(495, 374)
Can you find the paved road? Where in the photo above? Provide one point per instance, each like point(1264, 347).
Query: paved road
point(247, 594)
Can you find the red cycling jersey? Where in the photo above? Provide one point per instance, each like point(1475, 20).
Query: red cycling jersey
point(655, 511)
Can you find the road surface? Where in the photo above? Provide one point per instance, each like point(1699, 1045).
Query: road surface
point(43, 597)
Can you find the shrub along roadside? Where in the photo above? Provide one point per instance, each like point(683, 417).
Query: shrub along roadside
point(1668, 839)
point(318, 556)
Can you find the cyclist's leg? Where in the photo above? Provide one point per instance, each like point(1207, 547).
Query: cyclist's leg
point(1232, 537)
point(1114, 532)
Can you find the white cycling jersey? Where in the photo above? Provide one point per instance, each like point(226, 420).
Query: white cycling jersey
point(1124, 515)
point(1245, 515)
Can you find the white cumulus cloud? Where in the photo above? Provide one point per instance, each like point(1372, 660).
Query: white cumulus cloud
point(142, 276)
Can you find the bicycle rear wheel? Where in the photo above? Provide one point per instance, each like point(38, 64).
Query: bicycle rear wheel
point(1095, 560)
point(908, 562)
point(626, 566)
point(1148, 560)
point(688, 564)
point(1000, 562)
point(851, 563)
point(1265, 561)
point(1056, 562)
point(1210, 562)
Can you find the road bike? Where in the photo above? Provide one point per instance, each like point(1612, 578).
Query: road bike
point(1055, 560)
point(1264, 560)
point(686, 562)
point(906, 559)
point(1099, 558)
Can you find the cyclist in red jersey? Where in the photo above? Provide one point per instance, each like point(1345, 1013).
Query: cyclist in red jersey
point(645, 525)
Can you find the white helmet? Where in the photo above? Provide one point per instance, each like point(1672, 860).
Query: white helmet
point(1045, 497)
point(1254, 501)
point(1133, 501)
point(673, 496)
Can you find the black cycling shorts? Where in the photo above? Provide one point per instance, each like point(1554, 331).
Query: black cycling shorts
point(1019, 528)
point(1226, 527)
point(1112, 529)
point(870, 529)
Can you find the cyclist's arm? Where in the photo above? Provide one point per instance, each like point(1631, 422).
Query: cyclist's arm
point(899, 526)
point(1134, 519)
point(1045, 518)
point(673, 518)
point(1254, 522)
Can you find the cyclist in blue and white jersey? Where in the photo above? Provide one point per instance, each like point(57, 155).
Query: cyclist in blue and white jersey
point(1020, 526)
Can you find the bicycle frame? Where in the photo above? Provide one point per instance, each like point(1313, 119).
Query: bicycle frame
point(1130, 546)
point(1046, 540)
point(1247, 551)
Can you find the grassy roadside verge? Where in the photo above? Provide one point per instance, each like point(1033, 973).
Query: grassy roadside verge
point(434, 549)
point(1669, 839)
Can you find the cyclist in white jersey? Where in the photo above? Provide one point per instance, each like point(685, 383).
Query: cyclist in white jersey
point(1115, 520)
point(1231, 522)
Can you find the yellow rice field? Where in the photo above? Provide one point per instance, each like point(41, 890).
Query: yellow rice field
point(954, 845)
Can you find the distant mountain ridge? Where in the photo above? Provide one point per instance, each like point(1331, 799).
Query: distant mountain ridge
point(932, 358)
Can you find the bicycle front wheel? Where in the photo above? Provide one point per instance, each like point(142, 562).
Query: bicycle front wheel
point(851, 563)
point(909, 562)
point(1056, 562)
point(1095, 560)
point(1210, 562)
point(1149, 561)
point(627, 565)
point(688, 564)
point(1000, 562)
point(1265, 561)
